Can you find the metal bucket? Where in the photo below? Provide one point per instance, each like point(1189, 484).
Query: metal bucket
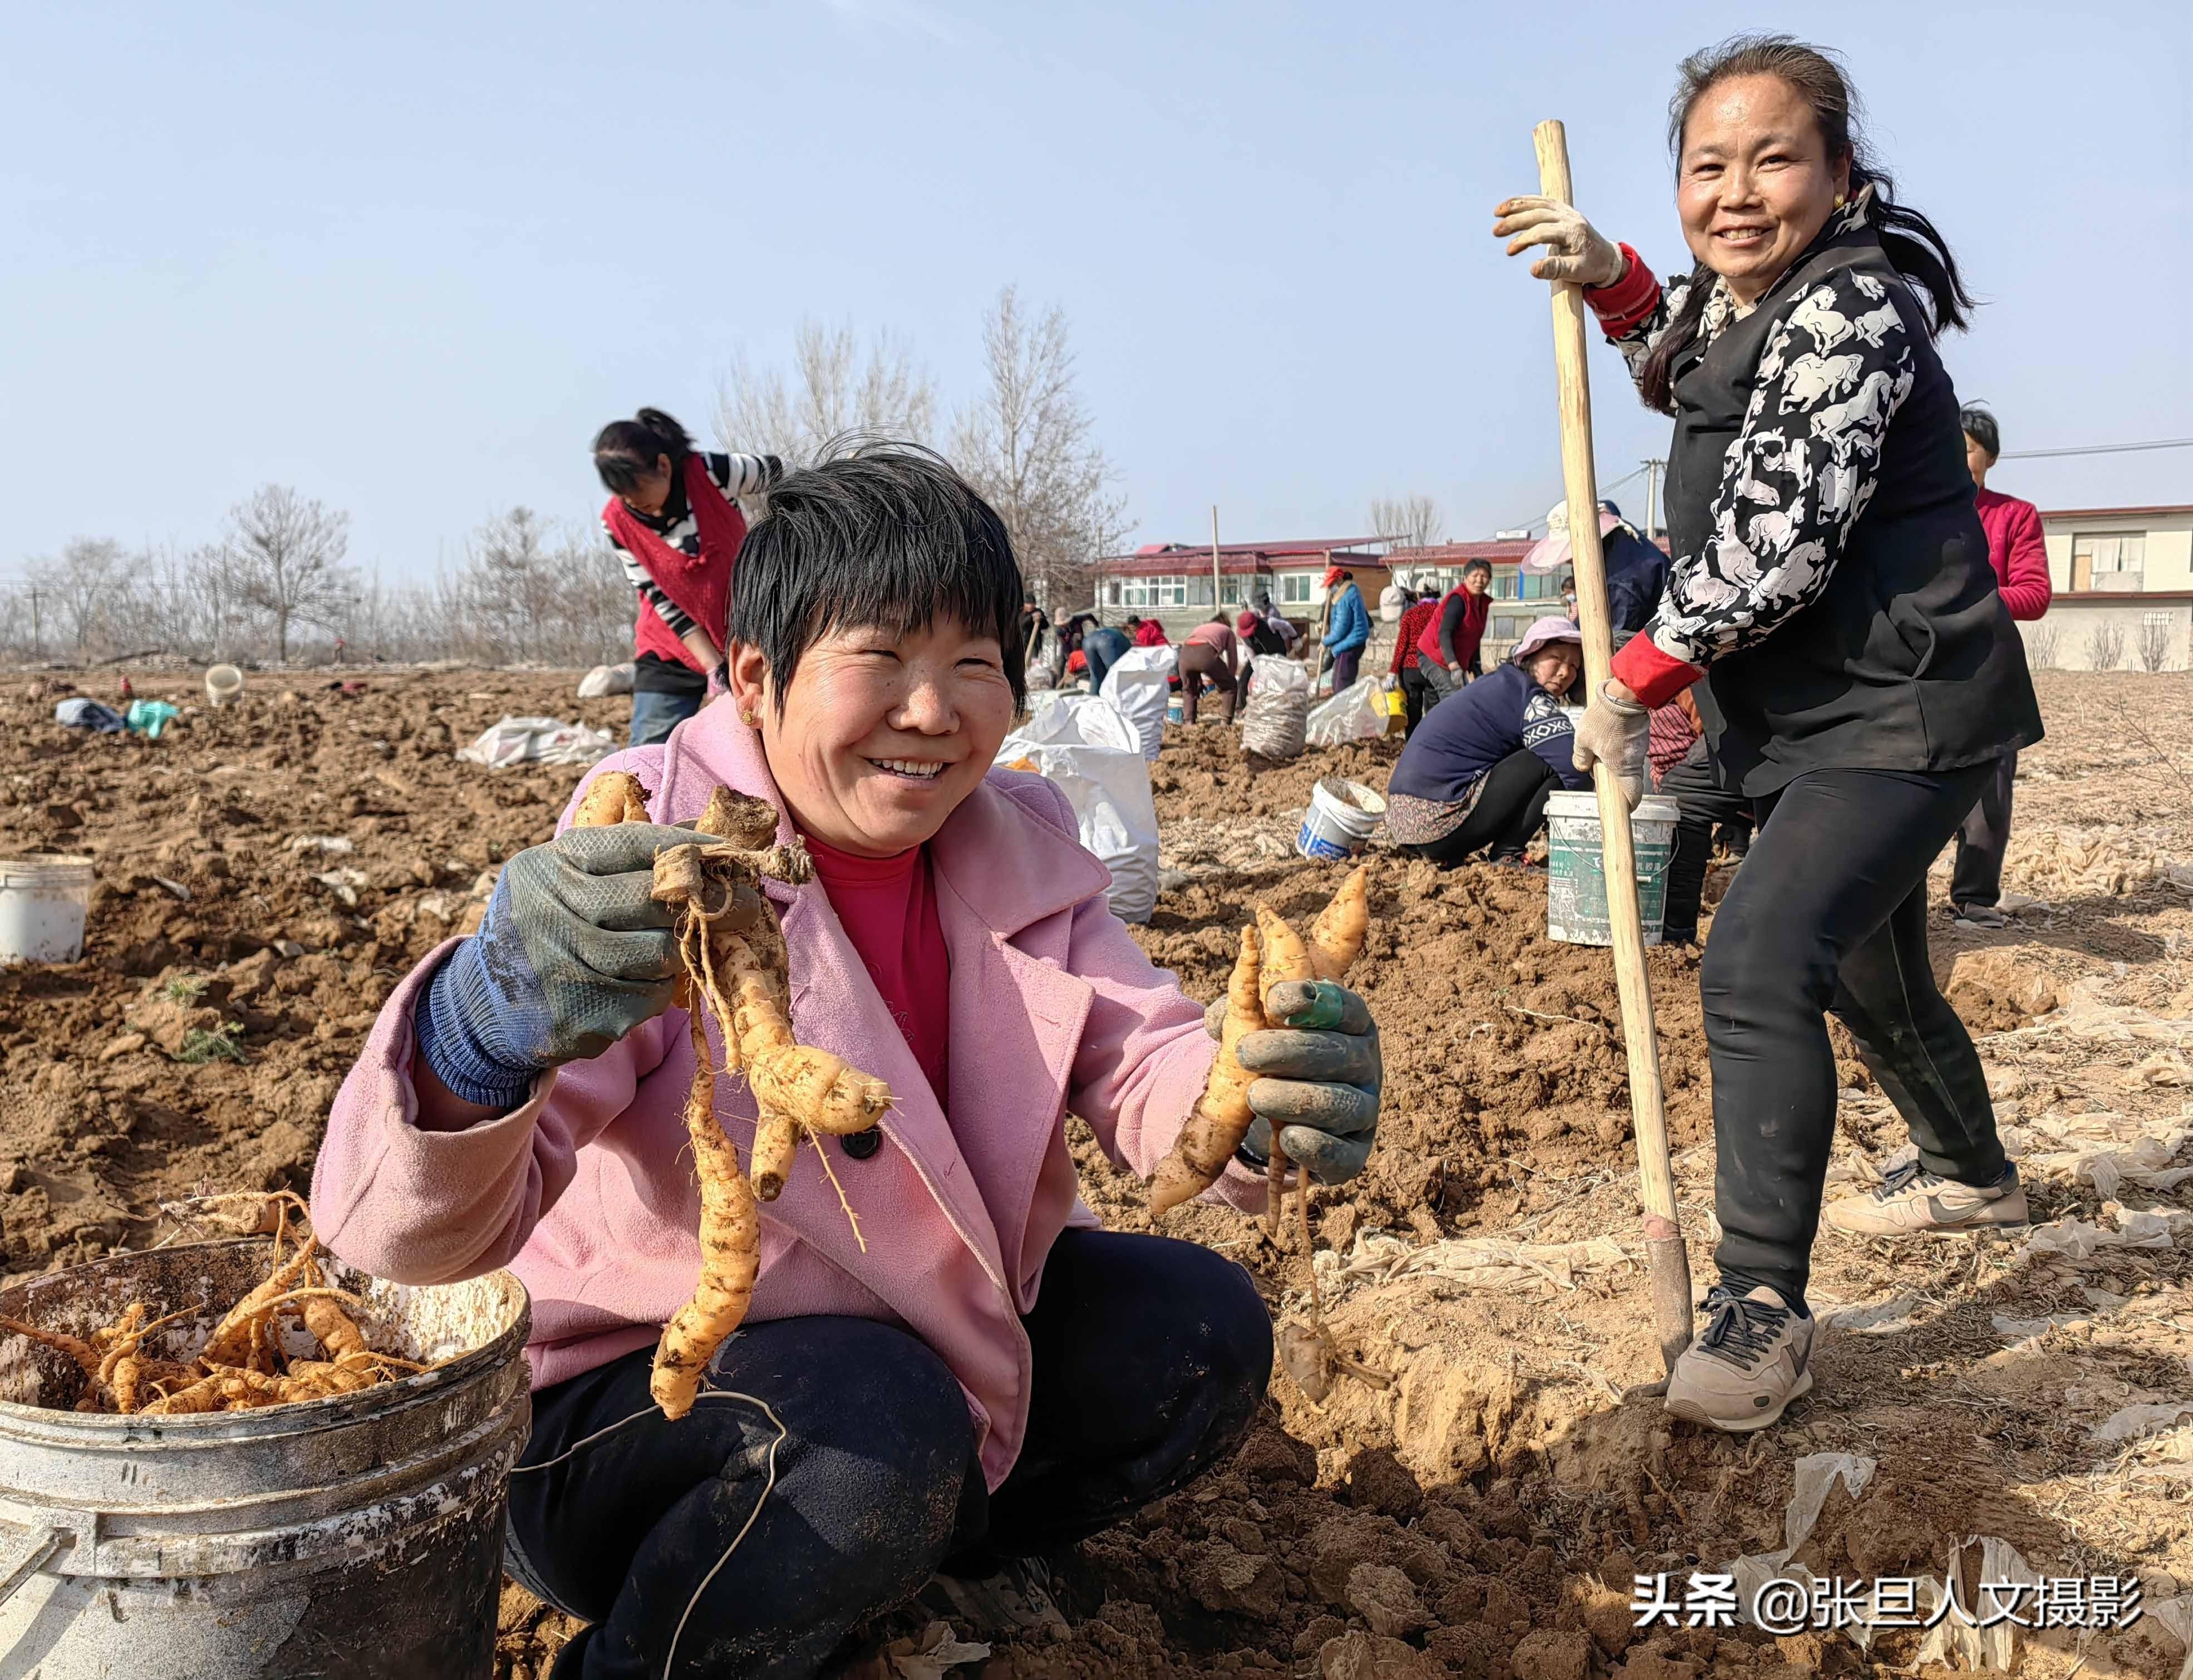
point(354, 1538)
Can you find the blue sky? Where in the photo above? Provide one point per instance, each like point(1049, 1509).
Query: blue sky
point(408, 258)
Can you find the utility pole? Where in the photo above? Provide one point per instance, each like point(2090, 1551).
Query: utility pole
point(1218, 589)
point(1652, 495)
point(38, 652)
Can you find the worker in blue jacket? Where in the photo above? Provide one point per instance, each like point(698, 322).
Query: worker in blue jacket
point(1476, 774)
point(1347, 628)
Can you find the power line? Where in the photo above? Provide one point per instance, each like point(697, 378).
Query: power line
point(2099, 449)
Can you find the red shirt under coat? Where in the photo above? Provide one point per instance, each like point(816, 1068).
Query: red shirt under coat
point(888, 908)
point(2016, 551)
point(1408, 631)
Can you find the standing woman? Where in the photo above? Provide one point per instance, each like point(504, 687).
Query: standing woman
point(2019, 555)
point(1831, 580)
point(673, 518)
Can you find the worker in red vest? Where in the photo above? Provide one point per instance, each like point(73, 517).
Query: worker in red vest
point(675, 523)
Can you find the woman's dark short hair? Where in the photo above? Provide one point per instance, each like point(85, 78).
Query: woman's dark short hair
point(1979, 426)
point(1478, 564)
point(625, 450)
point(884, 534)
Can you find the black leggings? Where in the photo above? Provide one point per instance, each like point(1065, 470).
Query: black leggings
point(1417, 697)
point(1829, 912)
point(1150, 1358)
point(1507, 812)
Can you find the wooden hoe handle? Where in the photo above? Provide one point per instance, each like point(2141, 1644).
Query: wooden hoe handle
point(1664, 1238)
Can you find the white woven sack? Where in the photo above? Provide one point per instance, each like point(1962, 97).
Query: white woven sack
point(1272, 722)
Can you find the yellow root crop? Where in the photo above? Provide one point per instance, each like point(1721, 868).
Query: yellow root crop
point(244, 1362)
point(1222, 1119)
point(737, 969)
point(1271, 953)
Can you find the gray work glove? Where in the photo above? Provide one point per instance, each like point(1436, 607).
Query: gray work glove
point(572, 954)
point(1319, 1080)
point(1618, 733)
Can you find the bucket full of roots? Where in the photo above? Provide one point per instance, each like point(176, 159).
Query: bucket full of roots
point(1576, 871)
point(200, 1477)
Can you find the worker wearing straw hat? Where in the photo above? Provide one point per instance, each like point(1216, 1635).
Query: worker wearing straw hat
point(1831, 580)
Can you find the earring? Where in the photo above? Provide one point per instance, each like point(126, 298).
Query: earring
point(748, 718)
point(1838, 201)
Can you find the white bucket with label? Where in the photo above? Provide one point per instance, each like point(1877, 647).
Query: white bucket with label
point(1342, 817)
point(1576, 876)
point(223, 683)
point(43, 904)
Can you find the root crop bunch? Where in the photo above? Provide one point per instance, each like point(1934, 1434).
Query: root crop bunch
point(737, 969)
point(242, 1364)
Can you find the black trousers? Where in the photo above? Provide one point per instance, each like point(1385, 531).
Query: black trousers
point(1701, 800)
point(1511, 809)
point(1418, 698)
point(1151, 1356)
point(1829, 912)
point(1976, 877)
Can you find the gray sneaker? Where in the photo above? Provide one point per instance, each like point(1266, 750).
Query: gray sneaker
point(1981, 915)
point(1912, 1202)
point(1752, 1361)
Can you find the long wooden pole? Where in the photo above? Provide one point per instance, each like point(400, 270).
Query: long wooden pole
point(1217, 589)
point(1669, 1265)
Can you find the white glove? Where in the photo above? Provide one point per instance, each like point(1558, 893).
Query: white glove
point(1618, 732)
point(1575, 249)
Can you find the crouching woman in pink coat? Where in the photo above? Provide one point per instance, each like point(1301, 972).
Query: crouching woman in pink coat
point(994, 1376)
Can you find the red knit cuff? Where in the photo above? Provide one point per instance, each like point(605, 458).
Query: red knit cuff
point(1654, 677)
point(1628, 300)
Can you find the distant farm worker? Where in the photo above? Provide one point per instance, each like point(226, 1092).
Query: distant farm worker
point(1211, 652)
point(1830, 580)
point(992, 1377)
point(1449, 646)
point(1417, 691)
point(1347, 628)
point(1103, 644)
point(1476, 775)
point(1147, 633)
point(2020, 560)
point(1636, 570)
point(674, 519)
point(1256, 633)
point(1703, 798)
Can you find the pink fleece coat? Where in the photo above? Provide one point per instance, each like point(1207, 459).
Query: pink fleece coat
point(587, 1191)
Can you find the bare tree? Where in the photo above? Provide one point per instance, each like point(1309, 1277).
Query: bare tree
point(1411, 521)
point(836, 385)
point(2041, 645)
point(2154, 646)
point(1029, 446)
point(2105, 645)
point(81, 585)
point(284, 556)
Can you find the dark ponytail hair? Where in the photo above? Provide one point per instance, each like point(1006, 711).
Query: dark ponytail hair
point(1911, 242)
point(625, 450)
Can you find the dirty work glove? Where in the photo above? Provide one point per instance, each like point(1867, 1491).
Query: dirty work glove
point(1318, 1079)
point(1617, 731)
point(1575, 249)
point(572, 954)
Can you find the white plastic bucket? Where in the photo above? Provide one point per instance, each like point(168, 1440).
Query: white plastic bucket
point(1575, 877)
point(1342, 817)
point(224, 683)
point(43, 904)
point(1175, 712)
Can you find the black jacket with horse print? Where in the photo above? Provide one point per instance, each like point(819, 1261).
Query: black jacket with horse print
point(1829, 571)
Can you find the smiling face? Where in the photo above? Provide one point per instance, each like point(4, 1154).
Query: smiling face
point(1754, 184)
point(1555, 667)
point(880, 736)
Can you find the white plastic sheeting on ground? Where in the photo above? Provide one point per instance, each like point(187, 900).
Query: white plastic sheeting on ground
point(1085, 745)
point(1352, 714)
point(1274, 721)
point(538, 741)
point(1139, 684)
